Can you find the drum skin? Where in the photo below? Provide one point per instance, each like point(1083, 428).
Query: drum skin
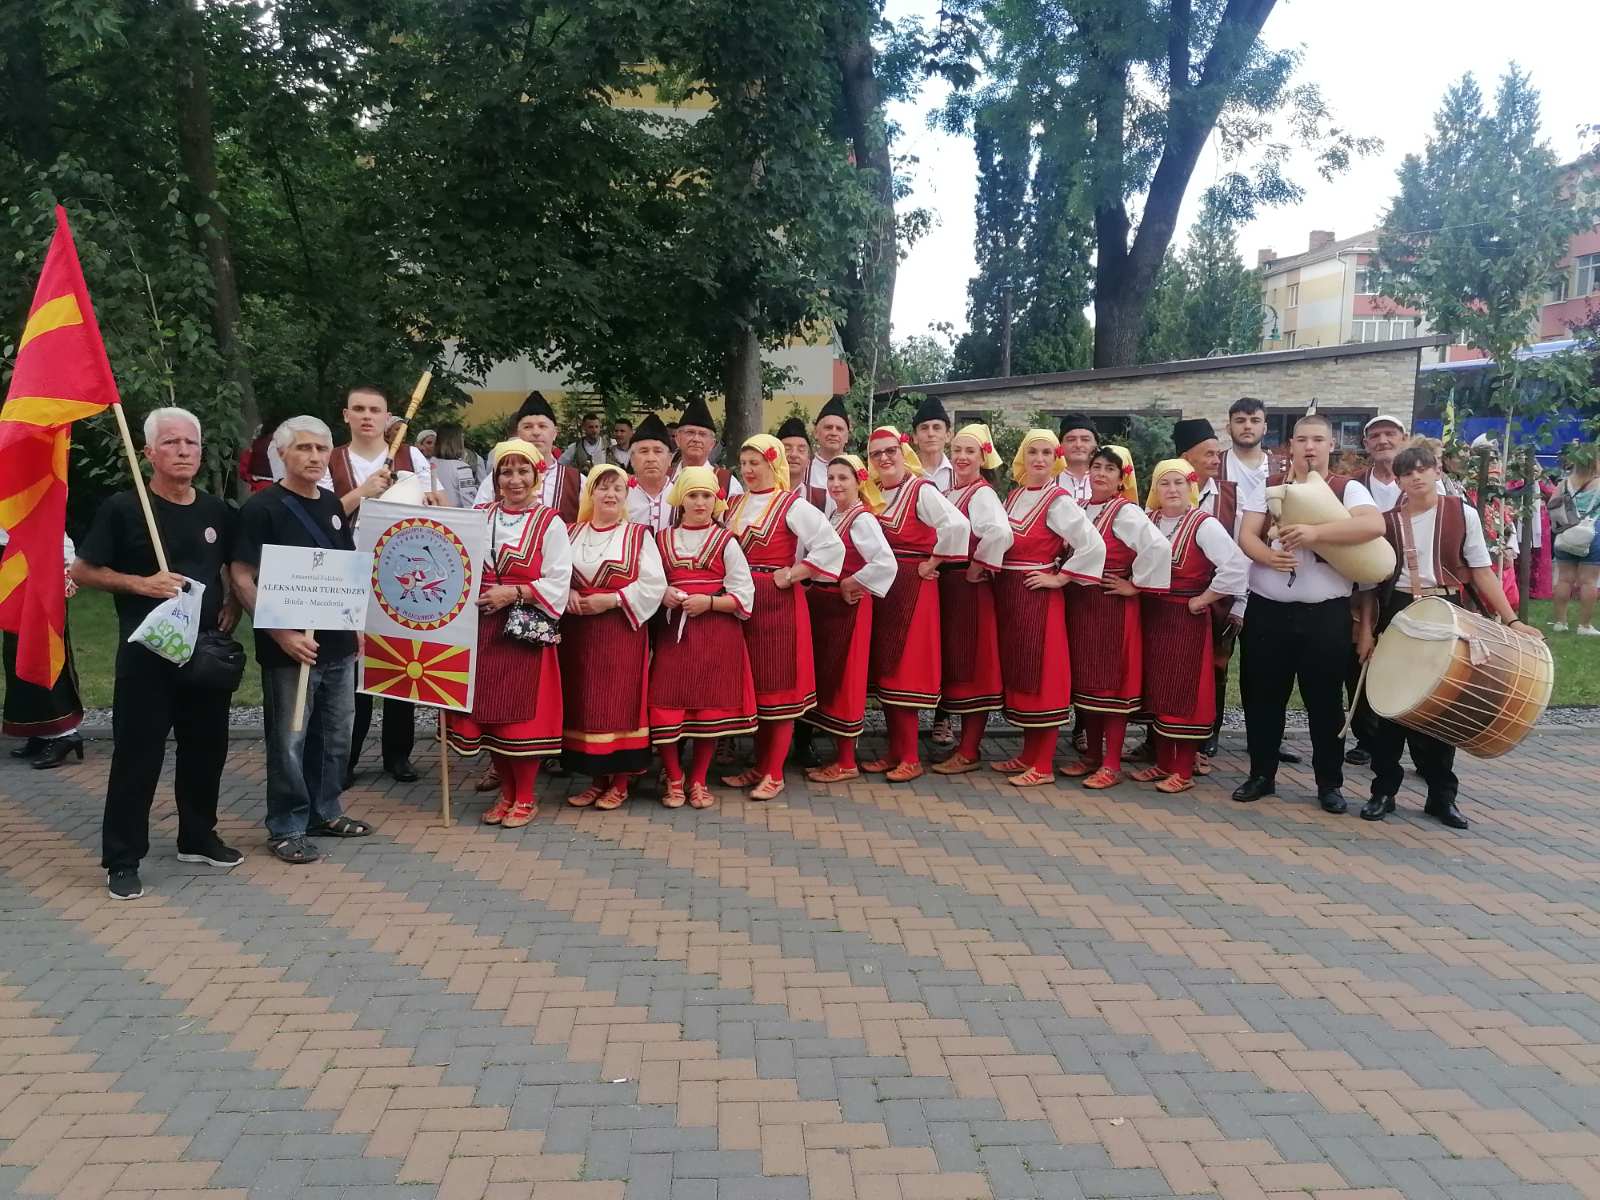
point(1433, 686)
point(1312, 502)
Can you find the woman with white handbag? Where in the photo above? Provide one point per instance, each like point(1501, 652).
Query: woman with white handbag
point(1573, 510)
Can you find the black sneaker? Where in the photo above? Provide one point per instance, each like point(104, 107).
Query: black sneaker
point(213, 852)
point(123, 884)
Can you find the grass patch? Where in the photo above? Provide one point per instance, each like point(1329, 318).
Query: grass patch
point(94, 642)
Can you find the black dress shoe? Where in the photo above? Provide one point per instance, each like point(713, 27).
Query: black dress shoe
point(1447, 814)
point(29, 748)
point(403, 771)
point(1332, 800)
point(1254, 788)
point(56, 750)
point(1288, 756)
point(1357, 757)
point(1377, 808)
point(1209, 747)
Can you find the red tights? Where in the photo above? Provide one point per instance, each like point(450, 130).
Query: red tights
point(844, 751)
point(517, 776)
point(772, 747)
point(1106, 734)
point(902, 724)
point(1176, 755)
point(699, 761)
point(1039, 749)
point(972, 727)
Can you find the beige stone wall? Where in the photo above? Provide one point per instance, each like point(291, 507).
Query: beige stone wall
point(1368, 383)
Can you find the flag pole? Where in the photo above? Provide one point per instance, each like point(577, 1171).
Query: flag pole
point(138, 486)
point(298, 721)
point(444, 770)
point(404, 427)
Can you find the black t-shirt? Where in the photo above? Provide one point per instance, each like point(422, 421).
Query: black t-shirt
point(198, 538)
point(266, 520)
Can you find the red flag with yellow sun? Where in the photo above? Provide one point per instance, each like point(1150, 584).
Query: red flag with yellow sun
point(62, 373)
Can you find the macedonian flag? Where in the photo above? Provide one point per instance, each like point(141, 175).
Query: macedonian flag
point(61, 374)
point(421, 672)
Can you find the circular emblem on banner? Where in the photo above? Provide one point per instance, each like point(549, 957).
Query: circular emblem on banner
point(420, 573)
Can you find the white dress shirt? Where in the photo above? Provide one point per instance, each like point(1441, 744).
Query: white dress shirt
point(653, 512)
point(1312, 580)
point(362, 469)
point(1076, 486)
point(941, 474)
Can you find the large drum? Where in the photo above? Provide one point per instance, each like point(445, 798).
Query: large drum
point(1459, 677)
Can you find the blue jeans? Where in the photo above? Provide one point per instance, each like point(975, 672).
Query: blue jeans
point(305, 770)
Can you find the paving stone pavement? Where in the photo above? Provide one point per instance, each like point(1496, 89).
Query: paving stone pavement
point(947, 990)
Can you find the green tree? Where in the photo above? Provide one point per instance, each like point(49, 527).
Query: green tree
point(1125, 95)
point(1206, 301)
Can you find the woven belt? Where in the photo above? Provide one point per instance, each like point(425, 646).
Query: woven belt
point(1434, 591)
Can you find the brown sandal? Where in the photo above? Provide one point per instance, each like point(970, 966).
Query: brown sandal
point(876, 766)
point(586, 797)
point(768, 789)
point(957, 764)
point(743, 779)
point(1149, 775)
point(612, 798)
point(700, 796)
point(832, 773)
point(1080, 769)
point(1103, 778)
point(1173, 784)
point(1032, 777)
point(498, 812)
point(1011, 766)
point(673, 795)
point(521, 813)
point(488, 781)
point(904, 772)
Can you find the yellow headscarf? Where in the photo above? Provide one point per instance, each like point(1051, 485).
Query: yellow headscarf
point(1019, 471)
point(1167, 467)
point(697, 479)
point(596, 473)
point(868, 487)
point(771, 449)
point(907, 450)
point(980, 434)
point(514, 448)
point(1130, 481)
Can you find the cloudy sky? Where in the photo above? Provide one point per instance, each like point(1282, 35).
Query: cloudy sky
point(1383, 68)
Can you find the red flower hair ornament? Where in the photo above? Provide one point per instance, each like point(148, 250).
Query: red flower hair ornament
point(1192, 477)
point(632, 482)
point(1126, 471)
point(861, 475)
point(1061, 451)
point(770, 454)
point(988, 447)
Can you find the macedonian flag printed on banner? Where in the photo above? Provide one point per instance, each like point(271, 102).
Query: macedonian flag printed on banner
point(421, 638)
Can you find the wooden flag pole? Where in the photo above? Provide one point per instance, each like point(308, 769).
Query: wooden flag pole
point(298, 721)
point(138, 486)
point(444, 769)
point(417, 393)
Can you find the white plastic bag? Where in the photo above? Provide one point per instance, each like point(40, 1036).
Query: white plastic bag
point(173, 626)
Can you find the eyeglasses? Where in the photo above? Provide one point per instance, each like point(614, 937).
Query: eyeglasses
point(886, 453)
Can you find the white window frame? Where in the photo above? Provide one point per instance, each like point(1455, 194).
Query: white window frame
point(1294, 296)
point(1364, 282)
point(1586, 274)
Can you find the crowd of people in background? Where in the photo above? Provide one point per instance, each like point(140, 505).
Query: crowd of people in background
point(643, 607)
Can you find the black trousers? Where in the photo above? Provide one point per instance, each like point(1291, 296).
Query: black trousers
point(399, 734)
point(1285, 645)
point(1435, 760)
point(149, 703)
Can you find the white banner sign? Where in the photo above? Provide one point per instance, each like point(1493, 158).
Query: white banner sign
point(421, 615)
point(302, 587)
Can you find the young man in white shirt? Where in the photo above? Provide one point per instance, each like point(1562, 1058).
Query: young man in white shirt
point(1298, 628)
point(1079, 441)
point(1452, 560)
point(1245, 461)
point(831, 435)
point(930, 429)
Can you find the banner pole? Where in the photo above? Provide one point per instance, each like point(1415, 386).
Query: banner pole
point(404, 427)
point(298, 721)
point(444, 769)
point(138, 486)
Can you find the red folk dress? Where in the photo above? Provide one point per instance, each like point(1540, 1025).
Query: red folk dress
point(700, 681)
point(1035, 661)
point(970, 643)
point(777, 530)
point(605, 658)
point(841, 633)
point(516, 702)
point(906, 664)
point(1103, 627)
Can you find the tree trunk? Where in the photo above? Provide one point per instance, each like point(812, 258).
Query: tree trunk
point(741, 384)
point(198, 153)
point(1119, 314)
point(870, 305)
point(1005, 332)
point(28, 84)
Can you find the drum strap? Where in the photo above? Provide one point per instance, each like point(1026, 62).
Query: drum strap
point(1408, 548)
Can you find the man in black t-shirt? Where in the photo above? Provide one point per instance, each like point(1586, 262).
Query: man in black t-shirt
point(305, 769)
point(153, 697)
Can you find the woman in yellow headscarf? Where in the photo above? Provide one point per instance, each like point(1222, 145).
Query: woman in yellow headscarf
point(1053, 544)
point(1103, 624)
point(1207, 565)
point(617, 585)
point(841, 615)
point(786, 541)
point(700, 682)
point(516, 704)
point(970, 649)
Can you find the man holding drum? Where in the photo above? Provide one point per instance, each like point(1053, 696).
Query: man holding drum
point(1439, 551)
point(1297, 628)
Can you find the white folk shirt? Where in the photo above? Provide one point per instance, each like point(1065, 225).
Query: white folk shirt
point(1387, 495)
point(880, 567)
point(817, 477)
point(1210, 493)
point(819, 546)
point(363, 469)
point(1314, 581)
point(736, 578)
point(555, 572)
point(1076, 486)
point(952, 532)
point(1232, 565)
point(1474, 550)
point(593, 549)
point(1152, 552)
point(1067, 521)
point(653, 512)
point(734, 486)
point(991, 526)
point(1235, 471)
point(942, 475)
